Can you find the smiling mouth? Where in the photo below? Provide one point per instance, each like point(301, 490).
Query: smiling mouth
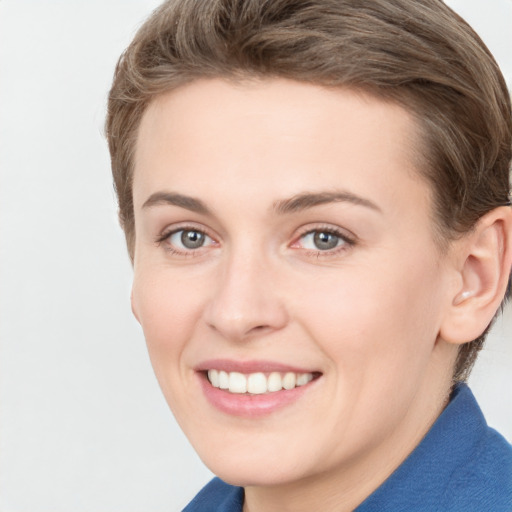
point(258, 383)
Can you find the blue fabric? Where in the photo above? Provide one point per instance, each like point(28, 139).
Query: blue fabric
point(461, 465)
point(217, 496)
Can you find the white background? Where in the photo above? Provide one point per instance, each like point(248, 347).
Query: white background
point(83, 426)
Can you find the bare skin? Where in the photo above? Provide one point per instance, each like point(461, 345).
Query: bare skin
point(283, 222)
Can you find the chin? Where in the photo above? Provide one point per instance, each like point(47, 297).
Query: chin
point(241, 475)
point(256, 462)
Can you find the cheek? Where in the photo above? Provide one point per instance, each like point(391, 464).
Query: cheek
point(377, 319)
point(377, 330)
point(167, 309)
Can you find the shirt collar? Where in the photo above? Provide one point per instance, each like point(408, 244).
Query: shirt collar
point(448, 445)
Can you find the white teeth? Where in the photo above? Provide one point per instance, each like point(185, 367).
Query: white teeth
point(223, 380)
point(213, 375)
point(257, 383)
point(289, 380)
point(304, 378)
point(275, 382)
point(237, 383)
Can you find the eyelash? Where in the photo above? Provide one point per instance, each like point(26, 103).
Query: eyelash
point(346, 241)
point(166, 234)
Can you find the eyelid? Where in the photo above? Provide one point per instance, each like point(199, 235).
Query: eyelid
point(346, 236)
point(167, 232)
point(183, 226)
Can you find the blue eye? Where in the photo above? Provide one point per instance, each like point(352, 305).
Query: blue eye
point(322, 240)
point(189, 239)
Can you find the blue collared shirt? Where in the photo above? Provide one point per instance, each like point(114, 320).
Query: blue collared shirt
point(461, 465)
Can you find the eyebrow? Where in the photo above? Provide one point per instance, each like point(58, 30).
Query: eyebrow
point(173, 199)
point(294, 204)
point(307, 200)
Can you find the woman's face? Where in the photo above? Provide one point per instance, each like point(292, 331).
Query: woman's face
point(284, 243)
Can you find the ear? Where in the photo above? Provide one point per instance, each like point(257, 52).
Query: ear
point(484, 260)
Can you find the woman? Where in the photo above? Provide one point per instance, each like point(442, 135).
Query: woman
point(315, 198)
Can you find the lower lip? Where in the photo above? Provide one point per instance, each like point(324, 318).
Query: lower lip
point(251, 406)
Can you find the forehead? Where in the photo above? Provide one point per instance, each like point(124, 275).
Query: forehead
point(277, 136)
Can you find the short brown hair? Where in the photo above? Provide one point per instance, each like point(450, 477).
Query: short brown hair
point(418, 54)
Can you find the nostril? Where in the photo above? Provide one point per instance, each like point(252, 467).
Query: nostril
point(258, 328)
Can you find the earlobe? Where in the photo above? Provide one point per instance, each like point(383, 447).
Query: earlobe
point(484, 261)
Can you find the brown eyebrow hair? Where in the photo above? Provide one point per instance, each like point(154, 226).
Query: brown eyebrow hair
point(172, 198)
point(296, 203)
point(309, 200)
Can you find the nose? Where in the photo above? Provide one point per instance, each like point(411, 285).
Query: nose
point(246, 301)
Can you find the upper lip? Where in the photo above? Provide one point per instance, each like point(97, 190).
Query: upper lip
point(263, 366)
